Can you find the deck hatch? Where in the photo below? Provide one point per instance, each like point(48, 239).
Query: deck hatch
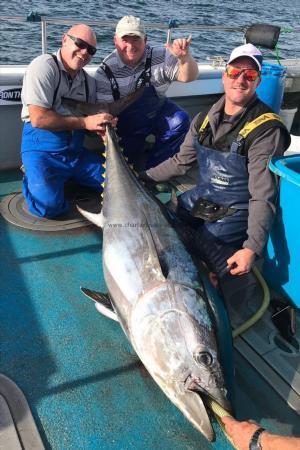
point(13, 208)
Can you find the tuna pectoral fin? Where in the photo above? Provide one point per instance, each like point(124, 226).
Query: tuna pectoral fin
point(192, 406)
point(97, 219)
point(103, 303)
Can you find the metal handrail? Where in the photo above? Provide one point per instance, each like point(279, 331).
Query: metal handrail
point(112, 24)
point(44, 20)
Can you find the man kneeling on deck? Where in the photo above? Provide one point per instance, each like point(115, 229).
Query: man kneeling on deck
point(52, 140)
point(233, 204)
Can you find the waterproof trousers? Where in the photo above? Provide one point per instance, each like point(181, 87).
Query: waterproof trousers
point(46, 174)
point(169, 125)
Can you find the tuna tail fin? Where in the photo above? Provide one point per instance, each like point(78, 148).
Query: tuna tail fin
point(96, 219)
point(113, 108)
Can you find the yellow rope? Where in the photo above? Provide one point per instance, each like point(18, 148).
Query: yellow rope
point(219, 412)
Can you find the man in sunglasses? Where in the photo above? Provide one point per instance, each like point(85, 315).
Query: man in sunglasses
point(52, 140)
point(134, 64)
point(233, 204)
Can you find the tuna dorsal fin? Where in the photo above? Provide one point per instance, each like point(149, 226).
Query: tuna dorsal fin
point(103, 302)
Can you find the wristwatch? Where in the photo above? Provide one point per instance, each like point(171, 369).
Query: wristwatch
point(255, 440)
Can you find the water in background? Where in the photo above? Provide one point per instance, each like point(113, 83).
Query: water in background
point(20, 42)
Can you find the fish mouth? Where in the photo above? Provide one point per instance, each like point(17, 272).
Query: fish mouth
point(215, 394)
point(193, 401)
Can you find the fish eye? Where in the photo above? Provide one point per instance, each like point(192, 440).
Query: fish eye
point(204, 358)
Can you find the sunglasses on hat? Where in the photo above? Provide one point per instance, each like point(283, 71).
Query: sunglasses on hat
point(234, 73)
point(83, 45)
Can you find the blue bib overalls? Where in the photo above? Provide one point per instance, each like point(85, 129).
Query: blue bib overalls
point(152, 115)
point(222, 180)
point(50, 160)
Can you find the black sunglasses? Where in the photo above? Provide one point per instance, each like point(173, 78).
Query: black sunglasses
point(83, 45)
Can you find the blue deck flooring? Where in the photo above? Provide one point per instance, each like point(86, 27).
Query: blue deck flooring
point(84, 383)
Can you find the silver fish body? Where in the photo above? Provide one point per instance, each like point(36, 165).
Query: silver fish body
point(155, 291)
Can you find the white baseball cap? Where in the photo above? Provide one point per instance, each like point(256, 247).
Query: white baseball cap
point(249, 51)
point(130, 25)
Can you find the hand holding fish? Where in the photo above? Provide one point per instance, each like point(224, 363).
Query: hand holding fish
point(180, 47)
point(240, 432)
point(98, 122)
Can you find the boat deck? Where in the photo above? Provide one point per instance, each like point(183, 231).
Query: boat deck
point(84, 384)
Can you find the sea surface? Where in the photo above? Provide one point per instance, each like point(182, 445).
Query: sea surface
point(21, 41)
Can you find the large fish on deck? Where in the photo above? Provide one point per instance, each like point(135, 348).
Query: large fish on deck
point(155, 294)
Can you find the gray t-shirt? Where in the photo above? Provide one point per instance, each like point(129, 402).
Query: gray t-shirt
point(164, 69)
point(42, 78)
point(262, 182)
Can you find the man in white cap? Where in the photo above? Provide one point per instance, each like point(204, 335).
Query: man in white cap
point(233, 204)
point(134, 64)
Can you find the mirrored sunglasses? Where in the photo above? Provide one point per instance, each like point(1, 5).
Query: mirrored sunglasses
point(234, 73)
point(83, 45)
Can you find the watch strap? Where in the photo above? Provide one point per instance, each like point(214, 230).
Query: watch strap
point(254, 441)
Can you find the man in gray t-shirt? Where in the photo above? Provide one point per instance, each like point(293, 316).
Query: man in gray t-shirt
point(52, 140)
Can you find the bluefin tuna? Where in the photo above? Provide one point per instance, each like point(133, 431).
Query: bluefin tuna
point(155, 293)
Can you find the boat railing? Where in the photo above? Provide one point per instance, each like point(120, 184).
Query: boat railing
point(169, 25)
point(45, 20)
